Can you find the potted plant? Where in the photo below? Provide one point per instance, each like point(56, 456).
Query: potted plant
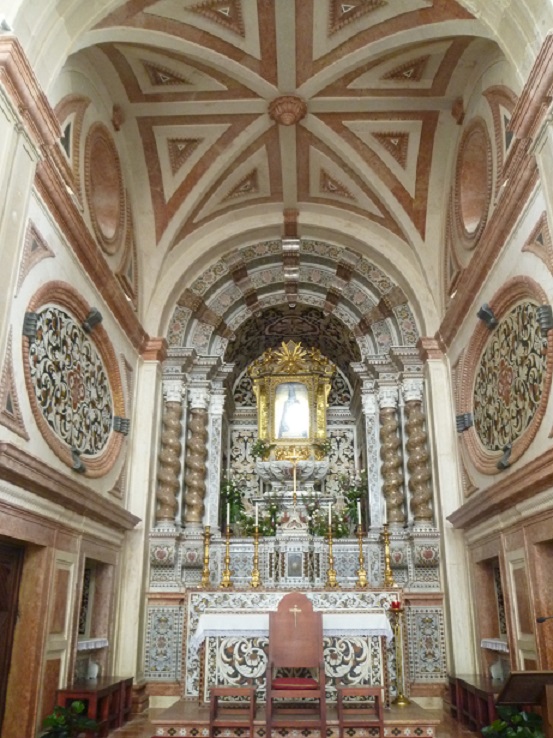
point(514, 723)
point(68, 722)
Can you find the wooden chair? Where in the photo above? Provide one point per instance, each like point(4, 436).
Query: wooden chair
point(368, 713)
point(232, 714)
point(296, 642)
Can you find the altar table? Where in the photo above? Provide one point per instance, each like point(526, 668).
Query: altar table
point(257, 624)
point(226, 638)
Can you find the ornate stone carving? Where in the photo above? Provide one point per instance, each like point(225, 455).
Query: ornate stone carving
point(287, 110)
point(412, 390)
point(392, 476)
point(169, 463)
point(388, 397)
point(199, 398)
point(196, 456)
point(417, 462)
point(173, 390)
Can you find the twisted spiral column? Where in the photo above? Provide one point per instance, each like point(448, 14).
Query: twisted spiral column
point(169, 456)
point(418, 456)
point(196, 458)
point(391, 469)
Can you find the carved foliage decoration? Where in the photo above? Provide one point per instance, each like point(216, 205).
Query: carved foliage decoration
point(73, 380)
point(510, 377)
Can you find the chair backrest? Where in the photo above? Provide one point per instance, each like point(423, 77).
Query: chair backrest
point(295, 633)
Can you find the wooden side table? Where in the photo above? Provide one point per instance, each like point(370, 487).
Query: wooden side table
point(227, 714)
point(108, 700)
point(366, 714)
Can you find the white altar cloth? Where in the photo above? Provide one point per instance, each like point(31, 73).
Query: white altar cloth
point(373, 623)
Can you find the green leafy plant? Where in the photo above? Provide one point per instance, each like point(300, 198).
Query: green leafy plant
point(354, 489)
point(318, 521)
point(261, 449)
point(514, 723)
point(231, 495)
point(68, 722)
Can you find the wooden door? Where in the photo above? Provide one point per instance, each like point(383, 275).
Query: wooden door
point(11, 559)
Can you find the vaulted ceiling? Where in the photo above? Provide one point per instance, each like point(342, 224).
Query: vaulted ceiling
point(274, 115)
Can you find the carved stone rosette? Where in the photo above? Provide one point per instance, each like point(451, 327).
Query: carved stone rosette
point(196, 458)
point(392, 475)
point(418, 462)
point(169, 463)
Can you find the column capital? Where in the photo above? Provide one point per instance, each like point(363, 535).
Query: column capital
point(174, 389)
point(368, 403)
point(199, 397)
point(431, 349)
point(412, 389)
point(388, 396)
point(217, 402)
point(154, 349)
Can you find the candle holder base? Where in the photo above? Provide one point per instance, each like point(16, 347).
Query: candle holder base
point(226, 582)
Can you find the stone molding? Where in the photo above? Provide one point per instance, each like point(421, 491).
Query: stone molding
point(535, 98)
point(24, 91)
point(513, 488)
point(24, 470)
point(154, 349)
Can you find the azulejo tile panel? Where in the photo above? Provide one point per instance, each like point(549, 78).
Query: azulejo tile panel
point(165, 628)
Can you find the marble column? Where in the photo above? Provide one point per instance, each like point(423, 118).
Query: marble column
point(216, 407)
point(370, 412)
point(390, 453)
point(196, 457)
point(417, 452)
point(170, 453)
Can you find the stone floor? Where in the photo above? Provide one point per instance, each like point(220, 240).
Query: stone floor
point(141, 727)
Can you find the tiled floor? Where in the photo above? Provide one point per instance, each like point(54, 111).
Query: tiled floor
point(141, 727)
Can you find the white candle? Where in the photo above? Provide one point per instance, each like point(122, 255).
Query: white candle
point(330, 514)
point(385, 515)
point(256, 515)
point(359, 512)
point(228, 513)
point(207, 515)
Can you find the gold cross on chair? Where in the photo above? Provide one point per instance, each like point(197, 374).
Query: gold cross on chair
point(295, 610)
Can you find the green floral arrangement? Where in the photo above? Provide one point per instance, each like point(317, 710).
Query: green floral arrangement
point(514, 723)
point(268, 521)
point(231, 496)
point(261, 449)
point(354, 489)
point(318, 521)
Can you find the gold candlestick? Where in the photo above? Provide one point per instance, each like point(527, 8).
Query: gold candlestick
point(205, 572)
point(226, 580)
point(331, 581)
point(362, 581)
point(388, 575)
point(401, 700)
point(255, 581)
